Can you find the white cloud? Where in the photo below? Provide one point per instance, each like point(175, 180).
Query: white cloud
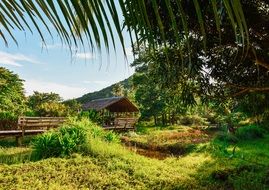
point(57, 46)
point(65, 91)
point(99, 82)
point(86, 55)
point(15, 59)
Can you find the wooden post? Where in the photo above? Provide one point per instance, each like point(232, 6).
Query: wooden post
point(19, 140)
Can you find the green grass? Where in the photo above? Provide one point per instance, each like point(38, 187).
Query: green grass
point(15, 155)
point(176, 140)
point(105, 165)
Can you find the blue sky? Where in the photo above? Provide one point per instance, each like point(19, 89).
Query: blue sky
point(54, 69)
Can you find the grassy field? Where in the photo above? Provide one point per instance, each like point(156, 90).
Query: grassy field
point(208, 164)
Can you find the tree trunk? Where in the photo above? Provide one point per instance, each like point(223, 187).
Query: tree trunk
point(155, 119)
point(173, 118)
point(163, 119)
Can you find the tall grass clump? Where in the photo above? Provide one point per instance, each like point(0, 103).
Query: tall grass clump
point(73, 137)
point(250, 132)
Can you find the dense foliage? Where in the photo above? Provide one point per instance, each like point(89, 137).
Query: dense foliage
point(228, 70)
point(227, 61)
point(12, 97)
point(14, 103)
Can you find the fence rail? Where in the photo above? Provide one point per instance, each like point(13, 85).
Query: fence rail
point(32, 126)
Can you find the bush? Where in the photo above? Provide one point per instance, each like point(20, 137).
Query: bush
point(64, 142)
point(8, 120)
point(73, 137)
point(250, 132)
point(142, 129)
point(111, 137)
point(192, 120)
point(8, 116)
point(92, 115)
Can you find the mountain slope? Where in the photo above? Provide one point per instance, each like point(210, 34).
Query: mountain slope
point(106, 92)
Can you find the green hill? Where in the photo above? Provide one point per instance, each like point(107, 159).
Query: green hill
point(106, 92)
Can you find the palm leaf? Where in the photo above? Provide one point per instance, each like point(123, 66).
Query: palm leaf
point(91, 22)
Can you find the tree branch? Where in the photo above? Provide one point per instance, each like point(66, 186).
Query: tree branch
point(246, 89)
point(262, 63)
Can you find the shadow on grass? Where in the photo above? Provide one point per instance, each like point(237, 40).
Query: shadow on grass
point(10, 153)
point(9, 142)
point(244, 165)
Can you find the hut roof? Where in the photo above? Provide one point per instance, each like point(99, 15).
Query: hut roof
point(113, 104)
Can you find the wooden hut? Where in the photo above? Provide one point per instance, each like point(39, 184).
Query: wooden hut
point(117, 112)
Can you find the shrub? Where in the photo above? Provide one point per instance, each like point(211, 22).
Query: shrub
point(59, 143)
point(73, 137)
point(8, 115)
point(47, 145)
point(141, 129)
point(250, 132)
point(192, 120)
point(111, 137)
point(92, 115)
point(8, 120)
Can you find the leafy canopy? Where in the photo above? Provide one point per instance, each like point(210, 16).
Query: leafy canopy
point(12, 97)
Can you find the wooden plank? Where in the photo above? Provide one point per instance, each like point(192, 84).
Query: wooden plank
point(43, 117)
point(19, 132)
point(40, 124)
point(43, 120)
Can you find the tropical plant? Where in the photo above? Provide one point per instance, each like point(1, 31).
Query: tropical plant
point(64, 142)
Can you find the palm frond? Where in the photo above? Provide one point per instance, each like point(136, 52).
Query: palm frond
point(95, 21)
point(75, 21)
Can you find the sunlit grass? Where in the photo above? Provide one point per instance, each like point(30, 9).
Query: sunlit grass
point(15, 155)
point(103, 165)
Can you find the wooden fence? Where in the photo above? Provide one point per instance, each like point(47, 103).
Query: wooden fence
point(122, 124)
point(32, 126)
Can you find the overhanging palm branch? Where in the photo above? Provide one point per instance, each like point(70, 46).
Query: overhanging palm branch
point(90, 22)
point(75, 21)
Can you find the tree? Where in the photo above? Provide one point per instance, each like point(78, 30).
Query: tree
point(51, 109)
point(39, 98)
point(227, 65)
point(152, 91)
point(118, 90)
point(160, 24)
point(12, 97)
point(74, 107)
point(47, 104)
